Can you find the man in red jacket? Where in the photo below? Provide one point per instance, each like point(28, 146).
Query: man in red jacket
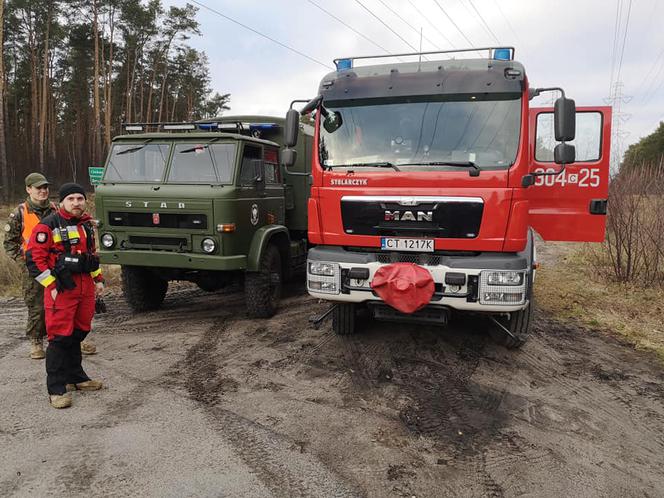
point(61, 256)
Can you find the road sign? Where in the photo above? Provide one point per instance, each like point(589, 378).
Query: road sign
point(95, 175)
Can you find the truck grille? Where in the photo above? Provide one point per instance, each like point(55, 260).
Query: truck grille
point(142, 240)
point(164, 220)
point(390, 216)
point(418, 259)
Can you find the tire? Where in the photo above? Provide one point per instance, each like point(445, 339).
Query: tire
point(343, 319)
point(518, 324)
point(142, 289)
point(263, 288)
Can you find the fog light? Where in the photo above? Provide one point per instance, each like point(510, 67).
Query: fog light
point(107, 240)
point(208, 246)
point(327, 287)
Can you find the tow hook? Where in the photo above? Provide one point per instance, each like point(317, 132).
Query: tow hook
point(317, 320)
point(505, 329)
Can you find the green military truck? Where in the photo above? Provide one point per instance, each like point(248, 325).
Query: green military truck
point(205, 202)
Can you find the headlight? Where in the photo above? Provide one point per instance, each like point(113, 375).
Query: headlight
point(322, 268)
point(323, 277)
point(208, 246)
point(107, 240)
point(502, 287)
point(504, 278)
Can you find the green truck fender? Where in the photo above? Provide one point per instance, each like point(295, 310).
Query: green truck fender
point(262, 238)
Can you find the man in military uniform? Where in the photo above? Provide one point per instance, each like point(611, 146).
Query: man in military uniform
point(17, 233)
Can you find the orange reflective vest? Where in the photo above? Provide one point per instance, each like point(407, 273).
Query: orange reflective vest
point(30, 220)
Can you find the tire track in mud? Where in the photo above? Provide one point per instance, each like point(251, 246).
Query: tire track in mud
point(14, 316)
point(278, 461)
point(433, 370)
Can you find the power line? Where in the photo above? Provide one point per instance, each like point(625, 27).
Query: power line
point(455, 24)
point(385, 24)
point(408, 24)
point(349, 27)
point(431, 24)
point(483, 21)
point(622, 52)
point(647, 76)
point(615, 42)
point(294, 50)
point(507, 21)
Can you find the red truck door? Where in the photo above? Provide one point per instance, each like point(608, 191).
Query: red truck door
point(571, 206)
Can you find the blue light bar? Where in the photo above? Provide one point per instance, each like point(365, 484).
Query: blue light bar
point(263, 126)
point(502, 54)
point(208, 126)
point(343, 64)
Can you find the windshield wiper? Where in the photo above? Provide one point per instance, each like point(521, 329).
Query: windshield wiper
point(474, 171)
point(135, 149)
point(378, 164)
point(193, 149)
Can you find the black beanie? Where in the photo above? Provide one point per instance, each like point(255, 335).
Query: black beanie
point(70, 188)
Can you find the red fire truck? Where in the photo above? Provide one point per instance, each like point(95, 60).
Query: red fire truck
point(430, 179)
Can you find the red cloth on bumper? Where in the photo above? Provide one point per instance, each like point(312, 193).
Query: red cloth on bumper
point(406, 287)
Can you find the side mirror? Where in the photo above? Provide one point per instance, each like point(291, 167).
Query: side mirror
point(259, 173)
point(564, 154)
point(564, 115)
point(292, 128)
point(332, 121)
point(288, 157)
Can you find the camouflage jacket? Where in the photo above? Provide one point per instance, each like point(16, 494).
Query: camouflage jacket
point(14, 228)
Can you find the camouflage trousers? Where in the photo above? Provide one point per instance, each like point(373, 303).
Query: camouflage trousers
point(33, 295)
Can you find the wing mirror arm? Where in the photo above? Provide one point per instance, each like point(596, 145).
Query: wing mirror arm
point(564, 116)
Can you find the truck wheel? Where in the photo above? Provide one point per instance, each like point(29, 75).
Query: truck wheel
point(263, 287)
point(343, 319)
point(518, 324)
point(142, 289)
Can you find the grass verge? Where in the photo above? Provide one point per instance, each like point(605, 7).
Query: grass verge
point(569, 287)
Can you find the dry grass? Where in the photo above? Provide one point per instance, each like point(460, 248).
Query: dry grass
point(10, 271)
point(573, 290)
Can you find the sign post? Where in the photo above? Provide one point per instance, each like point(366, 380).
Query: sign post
point(95, 175)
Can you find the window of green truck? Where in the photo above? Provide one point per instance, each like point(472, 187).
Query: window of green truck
point(421, 135)
point(202, 163)
point(137, 163)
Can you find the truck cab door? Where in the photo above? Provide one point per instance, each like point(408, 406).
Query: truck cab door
point(571, 206)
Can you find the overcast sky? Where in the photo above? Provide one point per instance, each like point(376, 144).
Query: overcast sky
point(568, 43)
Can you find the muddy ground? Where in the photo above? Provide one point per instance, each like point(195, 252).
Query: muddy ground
point(201, 401)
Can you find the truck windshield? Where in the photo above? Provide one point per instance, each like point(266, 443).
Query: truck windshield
point(202, 163)
point(136, 162)
point(425, 135)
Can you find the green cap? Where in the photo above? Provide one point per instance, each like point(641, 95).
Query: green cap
point(35, 180)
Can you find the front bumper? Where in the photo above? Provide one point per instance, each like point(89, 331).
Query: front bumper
point(165, 259)
point(460, 297)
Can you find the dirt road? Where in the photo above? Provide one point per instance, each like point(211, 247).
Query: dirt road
point(201, 401)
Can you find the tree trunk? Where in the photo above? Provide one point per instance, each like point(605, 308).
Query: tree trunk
point(96, 147)
point(4, 173)
point(43, 112)
point(108, 81)
point(163, 93)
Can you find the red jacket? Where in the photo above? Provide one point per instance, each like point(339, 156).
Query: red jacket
point(46, 245)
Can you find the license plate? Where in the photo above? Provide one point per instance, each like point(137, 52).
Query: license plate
point(414, 245)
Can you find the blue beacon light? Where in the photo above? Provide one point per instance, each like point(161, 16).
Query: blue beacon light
point(502, 54)
point(343, 64)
